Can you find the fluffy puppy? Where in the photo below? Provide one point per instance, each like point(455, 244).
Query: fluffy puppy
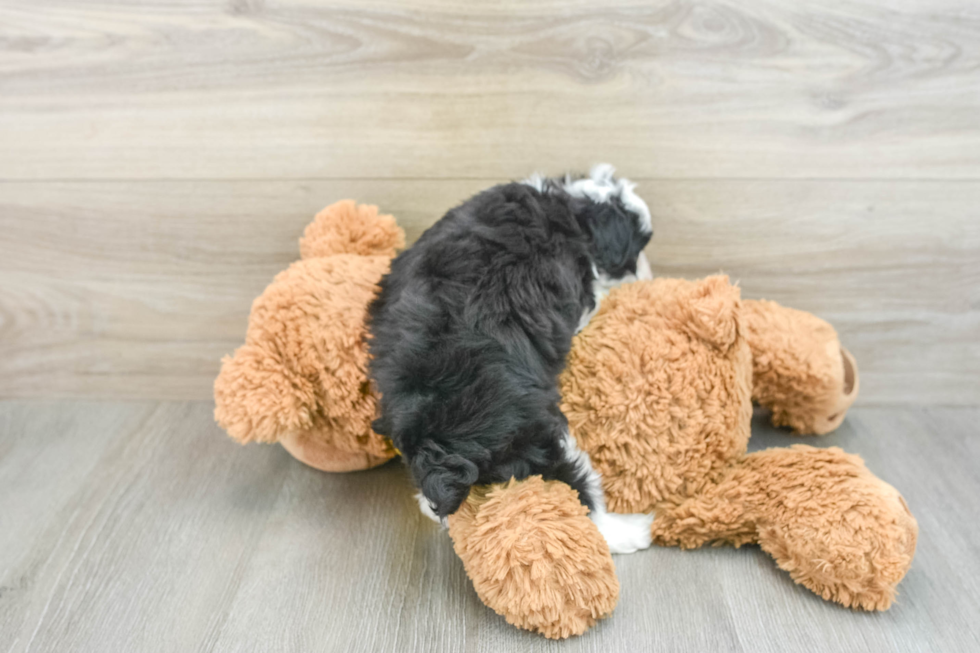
point(472, 326)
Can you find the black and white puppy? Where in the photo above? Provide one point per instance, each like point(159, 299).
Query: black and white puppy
point(472, 326)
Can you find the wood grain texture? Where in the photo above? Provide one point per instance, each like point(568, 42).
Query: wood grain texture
point(196, 89)
point(141, 527)
point(136, 289)
point(159, 159)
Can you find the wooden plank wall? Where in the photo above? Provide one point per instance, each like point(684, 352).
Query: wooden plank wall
point(159, 160)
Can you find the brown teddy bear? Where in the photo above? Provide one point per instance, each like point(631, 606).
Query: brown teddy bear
point(658, 389)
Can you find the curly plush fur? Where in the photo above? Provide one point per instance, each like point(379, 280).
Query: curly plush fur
point(350, 228)
point(800, 371)
point(657, 390)
point(828, 521)
point(535, 557)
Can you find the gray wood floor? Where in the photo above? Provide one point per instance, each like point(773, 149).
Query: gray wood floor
point(141, 527)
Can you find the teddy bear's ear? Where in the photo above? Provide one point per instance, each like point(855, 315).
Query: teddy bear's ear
point(257, 398)
point(713, 311)
point(350, 228)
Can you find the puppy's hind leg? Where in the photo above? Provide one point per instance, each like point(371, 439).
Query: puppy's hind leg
point(623, 533)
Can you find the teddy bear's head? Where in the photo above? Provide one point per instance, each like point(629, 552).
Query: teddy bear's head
point(658, 389)
point(300, 378)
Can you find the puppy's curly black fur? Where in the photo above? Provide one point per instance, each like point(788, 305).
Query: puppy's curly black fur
point(472, 326)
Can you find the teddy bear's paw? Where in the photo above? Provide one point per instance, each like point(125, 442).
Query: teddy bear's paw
point(535, 557)
point(624, 533)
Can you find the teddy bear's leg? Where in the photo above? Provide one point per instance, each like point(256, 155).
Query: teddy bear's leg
point(834, 526)
point(719, 513)
point(800, 370)
point(535, 557)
